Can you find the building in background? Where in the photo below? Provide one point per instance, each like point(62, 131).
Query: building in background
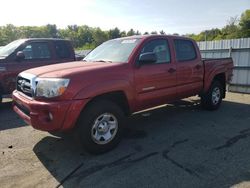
point(239, 50)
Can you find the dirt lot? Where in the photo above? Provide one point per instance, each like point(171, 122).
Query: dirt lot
point(179, 145)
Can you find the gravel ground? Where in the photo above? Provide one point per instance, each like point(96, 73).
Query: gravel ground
point(177, 145)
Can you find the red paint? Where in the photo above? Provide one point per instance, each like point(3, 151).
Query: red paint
point(89, 80)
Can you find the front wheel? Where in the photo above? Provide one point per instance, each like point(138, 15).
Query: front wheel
point(101, 126)
point(211, 100)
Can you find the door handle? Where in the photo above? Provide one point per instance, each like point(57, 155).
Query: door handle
point(171, 70)
point(197, 67)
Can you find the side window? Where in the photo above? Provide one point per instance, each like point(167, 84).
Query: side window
point(37, 50)
point(185, 50)
point(62, 50)
point(160, 48)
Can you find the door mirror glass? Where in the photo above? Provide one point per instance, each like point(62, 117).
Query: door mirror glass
point(20, 56)
point(148, 58)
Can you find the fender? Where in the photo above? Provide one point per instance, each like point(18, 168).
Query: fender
point(108, 86)
point(209, 78)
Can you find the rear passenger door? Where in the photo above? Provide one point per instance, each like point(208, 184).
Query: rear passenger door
point(63, 52)
point(189, 68)
point(155, 83)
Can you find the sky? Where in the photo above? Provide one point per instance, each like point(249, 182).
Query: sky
point(172, 16)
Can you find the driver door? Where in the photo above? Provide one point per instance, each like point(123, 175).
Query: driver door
point(156, 82)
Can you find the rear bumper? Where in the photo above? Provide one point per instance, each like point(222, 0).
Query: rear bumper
point(48, 116)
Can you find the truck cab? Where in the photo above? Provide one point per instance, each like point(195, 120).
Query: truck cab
point(24, 54)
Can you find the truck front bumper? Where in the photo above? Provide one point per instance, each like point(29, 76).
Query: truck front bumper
point(48, 116)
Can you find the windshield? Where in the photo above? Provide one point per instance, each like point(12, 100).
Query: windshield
point(8, 49)
point(117, 50)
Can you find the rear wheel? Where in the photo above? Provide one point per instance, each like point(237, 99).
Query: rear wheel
point(100, 126)
point(57, 134)
point(211, 100)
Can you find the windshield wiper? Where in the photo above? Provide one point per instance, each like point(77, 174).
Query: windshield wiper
point(103, 61)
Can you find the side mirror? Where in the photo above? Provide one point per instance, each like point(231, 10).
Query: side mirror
point(20, 56)
point(147, 58)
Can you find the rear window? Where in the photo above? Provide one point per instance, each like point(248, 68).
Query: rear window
point(62, 50)
point(185, 50)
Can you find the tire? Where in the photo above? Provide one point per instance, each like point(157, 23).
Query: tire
point(57, 134)
point(100, 126)
point(211, 100)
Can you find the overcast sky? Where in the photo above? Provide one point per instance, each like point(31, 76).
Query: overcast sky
point(172, 16)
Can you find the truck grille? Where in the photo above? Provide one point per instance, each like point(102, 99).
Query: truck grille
point(24, 85)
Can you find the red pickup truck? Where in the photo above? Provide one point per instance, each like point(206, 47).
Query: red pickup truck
point(118, 78)
point(24, 54)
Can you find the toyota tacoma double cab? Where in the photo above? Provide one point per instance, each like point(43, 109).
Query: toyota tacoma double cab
point(116, 79)
point(24, 54)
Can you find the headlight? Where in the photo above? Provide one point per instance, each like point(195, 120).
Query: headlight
point(50, 87)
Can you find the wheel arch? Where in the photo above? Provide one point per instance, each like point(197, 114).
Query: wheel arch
point(221, 77)
point(118, 97)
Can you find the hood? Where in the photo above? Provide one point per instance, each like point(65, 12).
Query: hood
point(68, 69)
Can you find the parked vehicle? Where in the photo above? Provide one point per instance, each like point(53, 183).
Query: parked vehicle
point(24, 54)
point(118, 78)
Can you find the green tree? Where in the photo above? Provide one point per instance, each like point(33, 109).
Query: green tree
point(85, 35)
point(52, 30)
point(114, 33)
point(137, 33)
point(245, 24)
point(154, 33)
point(99, 36)
point(71, 33)
point(131, 32)
point(8, 33)
point(123, 34)
point(162, 32)
point(231, 30)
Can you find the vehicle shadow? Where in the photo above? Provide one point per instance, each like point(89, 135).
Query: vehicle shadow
point(9, 117)
point(5, 105)
point(179, 138)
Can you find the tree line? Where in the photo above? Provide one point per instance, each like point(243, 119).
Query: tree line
point(85, 37)
point(235, 28)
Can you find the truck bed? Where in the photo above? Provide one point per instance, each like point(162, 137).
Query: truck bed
point(218, 65)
